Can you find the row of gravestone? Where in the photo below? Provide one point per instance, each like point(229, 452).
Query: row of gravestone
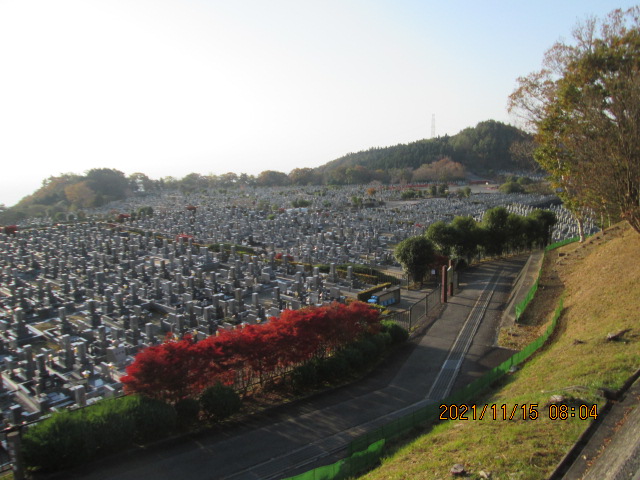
point(109, 302)
point(90, 296)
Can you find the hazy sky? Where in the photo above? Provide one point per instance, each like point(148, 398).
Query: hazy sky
point(169, 87)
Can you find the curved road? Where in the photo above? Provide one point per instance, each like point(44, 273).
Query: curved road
point(457, 347)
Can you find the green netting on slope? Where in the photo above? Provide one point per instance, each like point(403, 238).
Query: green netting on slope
point(367, 450)
point(347, 467)
point(466, 394)
point(521, 307)
point(561, 243)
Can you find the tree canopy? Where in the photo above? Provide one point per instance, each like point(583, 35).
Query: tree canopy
point(498, 233)
point(415, 254)
point(489, 146)
point(584, 107)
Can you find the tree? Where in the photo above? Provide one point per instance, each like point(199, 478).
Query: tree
point(163, 371)
point(303, 176)
point(246, 180)
point(516, 228)
point(80, 195)
point(357, 175)
point(443, 170)
point(496, 230)
point(178, 369)
point(511, 187)
point(544, 220)
point(146, 211)
point(409, 194)
point(415, 254)
point(300, 203)
point(522, 152)
point(270, 178)
point(141, 183)
point(228, 179)
point(193, 182)
point(107, 183)
point(442, 236)
point(584, 106)
point(467, 237)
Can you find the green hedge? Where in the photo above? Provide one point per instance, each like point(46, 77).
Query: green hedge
point(70, 438)
point(240, 249)
point(347, 361)
point(220, 401)
point(365, 295)
point(366, 274)
point(398, 333)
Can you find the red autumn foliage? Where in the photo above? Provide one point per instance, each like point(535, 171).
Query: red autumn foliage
point(254, 353)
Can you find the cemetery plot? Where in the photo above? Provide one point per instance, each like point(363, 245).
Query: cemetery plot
point(79, 301)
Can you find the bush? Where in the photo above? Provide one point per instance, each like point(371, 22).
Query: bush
point(187, 411)
point(354, 358)
point(409, 194)
point(398, 334)
point(511, 187)
point(333, 368)
point(153, 418)
point(365, 295)
point(525, 181)
point(304, 376)
point(220, 401)
point(110, 424)
point(73, 437)
point(368, 349)
point(62, 441)
point(381, 341)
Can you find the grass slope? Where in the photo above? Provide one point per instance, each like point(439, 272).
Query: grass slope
point(601, 283)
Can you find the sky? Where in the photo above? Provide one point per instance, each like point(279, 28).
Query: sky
point(170, 87)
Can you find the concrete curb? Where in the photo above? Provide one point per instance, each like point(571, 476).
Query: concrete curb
point(521, 286)
point(573, 454)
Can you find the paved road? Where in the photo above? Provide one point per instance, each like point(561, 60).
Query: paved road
point(457, 347)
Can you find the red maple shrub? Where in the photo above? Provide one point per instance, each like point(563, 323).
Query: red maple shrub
point(249, 355)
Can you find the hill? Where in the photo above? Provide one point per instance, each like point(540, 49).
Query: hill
point(579, 363)
point(70, 191)
point(487, 148)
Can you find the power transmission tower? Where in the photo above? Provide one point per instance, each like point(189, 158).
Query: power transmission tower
point(433, 125)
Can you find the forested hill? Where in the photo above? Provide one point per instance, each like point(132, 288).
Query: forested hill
point(484, 149)
point(490, 146)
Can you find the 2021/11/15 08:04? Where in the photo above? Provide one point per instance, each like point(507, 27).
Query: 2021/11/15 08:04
point(526, 411)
